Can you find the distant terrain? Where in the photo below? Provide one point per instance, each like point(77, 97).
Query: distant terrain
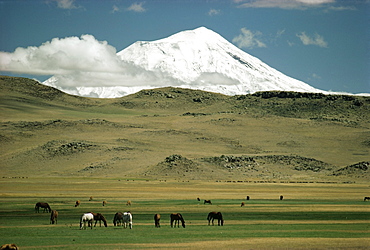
point(182, 134)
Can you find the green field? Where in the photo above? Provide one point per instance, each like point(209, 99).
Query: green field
point(310, 216)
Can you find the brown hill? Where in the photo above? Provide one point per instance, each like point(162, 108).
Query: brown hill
point(183, 134)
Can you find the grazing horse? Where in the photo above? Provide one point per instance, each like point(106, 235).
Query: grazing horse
point(99, 217)
point(104, 203)
point(247, 198)
point(124, 218)
point(208, 201)
point(198, 199)
point(54, 217)
point(78, 203)
point(89, 218)
point(367, 199)
point(281, 197)
point(43, 205)
point(243, 204)
point(9, 247)
point(157, 218)
point(215, 215)
point(118, 219)
point(127, 219)
point(177, 218)
point(128, 203)
point(91, 198)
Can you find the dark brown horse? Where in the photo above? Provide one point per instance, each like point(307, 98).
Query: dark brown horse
point(208, 201)
point(157, 218)
point(78, 203)
point(243, 204)
point(366, 198)
point(99, 217)
point(43, 205)
point(54, 217)
point(118, 219)
point(215, 215)
point(281, 197)
point(177, 218)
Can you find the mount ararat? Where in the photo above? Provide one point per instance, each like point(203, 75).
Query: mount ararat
point(196, 59)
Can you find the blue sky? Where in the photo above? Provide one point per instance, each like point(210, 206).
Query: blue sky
point(325, 43)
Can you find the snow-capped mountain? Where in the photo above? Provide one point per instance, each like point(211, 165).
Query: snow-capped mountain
point(196, 59)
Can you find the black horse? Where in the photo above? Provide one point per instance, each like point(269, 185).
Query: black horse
point(43, 205)
point(215, 215)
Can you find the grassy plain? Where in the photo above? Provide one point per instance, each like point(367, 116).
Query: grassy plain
point(312, 216)
point(163, 148)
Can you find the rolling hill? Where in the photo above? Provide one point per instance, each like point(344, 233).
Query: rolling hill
point(184, 134)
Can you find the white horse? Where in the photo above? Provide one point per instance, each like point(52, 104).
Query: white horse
point(89, 218)
point(127, 219)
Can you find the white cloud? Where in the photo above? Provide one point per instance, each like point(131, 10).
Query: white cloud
point(115, 9)
point(137, 7)
point(62, 56)
point(66, 4)
point(213, 12)
point(80, 61)
point(284, 4)
point(248, 39)
point(315, 40)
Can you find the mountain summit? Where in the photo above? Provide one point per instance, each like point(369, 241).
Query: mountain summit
point(197, 59)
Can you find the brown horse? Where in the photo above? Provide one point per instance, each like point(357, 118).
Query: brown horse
point(54, 217)
point(104, 203)
point(43, 205)
point(177, 218)
point(99, 217)
point(91, 198)
point(243, 204)
point(78, 203)
point(118, 219)
point(9, 247)
point(208, 201)
point(128, 203)
point(215, 215)
point(157, 218)
point(366, 198)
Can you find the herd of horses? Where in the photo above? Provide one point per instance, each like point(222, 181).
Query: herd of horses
point(125, 219)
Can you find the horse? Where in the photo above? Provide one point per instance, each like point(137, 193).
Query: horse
point(208, 201)
point(124, 218)
point(366, 198)
point(89, 218)
point(99, 217)
point(198, 199)
point(215, 215)
point(104, 203)
point(247, 198)
point(177, 218)
point(54, 217)
point(9, 247)
point(128, 203)
point(91, 198)
point(43, 205)
point(243, 204)
point(127, 219)
point(281, 197)
point(77, 203)
point(157, 218)
point(118, 219)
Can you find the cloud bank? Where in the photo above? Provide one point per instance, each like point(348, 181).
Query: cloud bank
point(79, 61)
point(283, 4)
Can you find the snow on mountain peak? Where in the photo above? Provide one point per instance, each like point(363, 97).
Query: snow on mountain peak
point(197, 59)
